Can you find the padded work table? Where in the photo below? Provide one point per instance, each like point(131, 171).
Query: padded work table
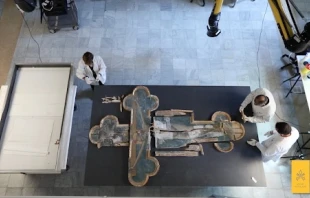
point(36, 112)
point(108, 166)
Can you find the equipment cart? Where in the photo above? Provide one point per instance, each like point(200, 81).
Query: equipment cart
point(60, 13)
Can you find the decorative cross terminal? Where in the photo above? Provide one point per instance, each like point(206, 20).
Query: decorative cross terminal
point(141, 164)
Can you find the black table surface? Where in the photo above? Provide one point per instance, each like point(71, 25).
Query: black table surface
point(108, 166)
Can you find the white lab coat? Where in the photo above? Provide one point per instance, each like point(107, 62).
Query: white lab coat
point(260, 114)
point(99, 68)
point(276, 146)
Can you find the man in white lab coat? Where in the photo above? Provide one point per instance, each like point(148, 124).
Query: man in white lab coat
point(263, 106)
point(279, 142)
point(92, 70)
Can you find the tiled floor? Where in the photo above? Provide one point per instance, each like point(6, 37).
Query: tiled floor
point(1, 6)
point(161, 42)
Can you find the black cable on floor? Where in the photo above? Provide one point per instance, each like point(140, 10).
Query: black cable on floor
point(259, 40)
point(39, 50)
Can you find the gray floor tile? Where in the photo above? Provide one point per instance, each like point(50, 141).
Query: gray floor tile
point(78, 179)
point(274, 180)
point(4, 180)
point(274, 193)
point(91, 191)
point(64, 180)
point(107, 191)
point(286, 180)
point(289, 194)
point(32, 181)
point(61, 191)
point(43, 192)
point(130, 191)
point(16, 180)
point(13, 192)
point(192, 74)
point(193, 82)
point(179, 74)
point(47, 181)
point(2, 191)
point(260, 192)
point(246, 192)
point(28, 191)
point(76, 191)
point(185, 192)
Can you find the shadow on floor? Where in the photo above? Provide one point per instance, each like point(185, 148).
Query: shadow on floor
point(84, 94)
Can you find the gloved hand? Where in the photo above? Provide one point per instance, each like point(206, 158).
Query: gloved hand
point(245, 118)
point(88, 80)
point(98, 77)
point(252, 142)
point(241, 109)
point(268, 134)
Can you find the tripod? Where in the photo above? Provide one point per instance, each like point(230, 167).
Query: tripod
point(297, 74)
point(299, 149)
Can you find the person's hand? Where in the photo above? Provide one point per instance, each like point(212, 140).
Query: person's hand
point(268, 134)
point(242, 114)
point(252, 142)
point(244, 117)
point(98, 78)
point(241, 109)
point(88, 80)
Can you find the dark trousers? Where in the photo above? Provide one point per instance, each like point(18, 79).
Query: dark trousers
point(93, 86)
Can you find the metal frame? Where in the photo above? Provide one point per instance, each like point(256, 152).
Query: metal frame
point(54, 22)
point(297, 74)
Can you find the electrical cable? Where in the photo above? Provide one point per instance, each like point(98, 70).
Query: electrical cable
point(259, 40)
point(39, 50)
point(257, 59)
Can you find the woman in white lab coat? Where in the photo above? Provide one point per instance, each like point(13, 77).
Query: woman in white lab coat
point(92, 70)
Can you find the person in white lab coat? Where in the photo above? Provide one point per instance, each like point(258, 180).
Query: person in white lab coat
point(279, 142)
point(263, 106)
point(92, 70)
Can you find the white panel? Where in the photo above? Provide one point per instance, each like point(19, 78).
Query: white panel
point(33, 80)
point(37, 110)
point(27, 98)
point(29, 135)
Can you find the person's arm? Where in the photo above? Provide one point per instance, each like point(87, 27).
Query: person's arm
point(258, 119)
point(267, 151)
point(80, 72)
point(267, 114)
point(102, 69)
point(247, 100)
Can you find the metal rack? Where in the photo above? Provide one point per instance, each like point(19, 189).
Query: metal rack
point(65, 16)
